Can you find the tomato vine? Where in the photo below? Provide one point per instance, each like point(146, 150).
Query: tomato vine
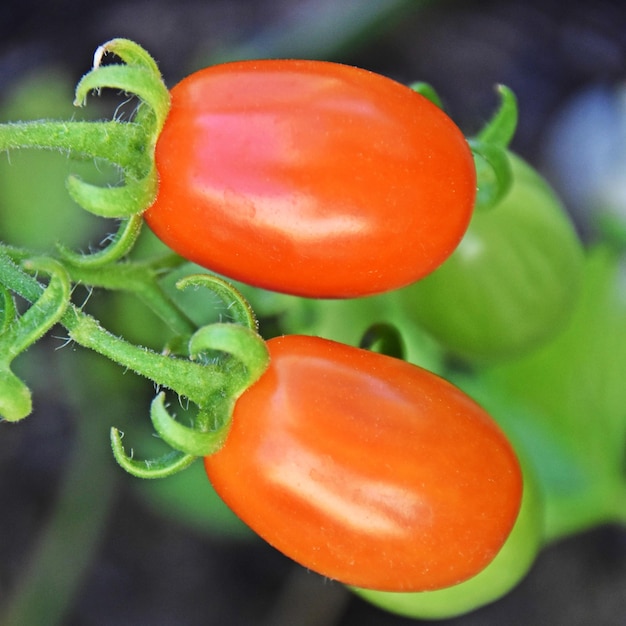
point(256, 421)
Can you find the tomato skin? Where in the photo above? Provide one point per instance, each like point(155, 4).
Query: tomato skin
point(505, 572)
point(367, 469)
point(311, 178)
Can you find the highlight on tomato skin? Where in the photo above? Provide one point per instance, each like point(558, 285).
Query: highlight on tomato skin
point(367, 469)
point(311, 178)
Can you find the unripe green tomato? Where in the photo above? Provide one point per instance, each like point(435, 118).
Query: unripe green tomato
point(512, 281)
point(496, 580)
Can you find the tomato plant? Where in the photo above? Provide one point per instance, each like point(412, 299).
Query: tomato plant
point(512, 281)
point(312, 178)
point(367, 469)
point(362, 467)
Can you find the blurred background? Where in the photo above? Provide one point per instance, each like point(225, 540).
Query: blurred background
point(85, 542)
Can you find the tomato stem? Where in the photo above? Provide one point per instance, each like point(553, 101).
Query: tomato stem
point(119, 143)
point(193, 380)
point(19, 333)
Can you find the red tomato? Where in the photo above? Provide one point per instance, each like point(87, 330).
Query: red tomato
point(368, 469)
point(312, 178)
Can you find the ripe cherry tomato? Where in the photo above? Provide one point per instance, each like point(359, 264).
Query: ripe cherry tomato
point(311, 178)
point(367, 469)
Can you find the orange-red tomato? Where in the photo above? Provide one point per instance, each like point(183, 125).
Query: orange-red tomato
point(368, 469)
point(312, 178)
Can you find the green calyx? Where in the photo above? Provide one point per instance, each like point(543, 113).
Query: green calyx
point(235, 357)
point(490, 147)
point(219, 363)
point(127, 145)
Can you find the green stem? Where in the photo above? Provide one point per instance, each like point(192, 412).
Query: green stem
point(12, 277)
point(121, 143)
point(192, 380)
point(155, 299)
point(139, 278)
point(42, 315)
